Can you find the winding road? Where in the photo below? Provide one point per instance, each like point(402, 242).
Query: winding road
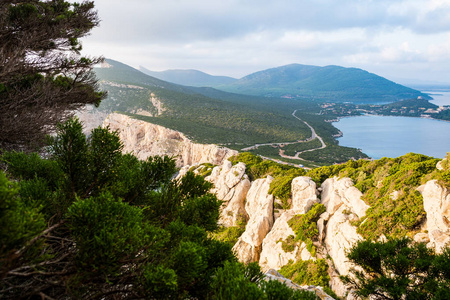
point(296, 156)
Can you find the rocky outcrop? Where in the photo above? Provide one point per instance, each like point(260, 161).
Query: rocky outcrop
point(144, 139)
point(436, 202)
point(272, 255)
point(336, 192)
point(343, 204)
point(259, 207)
point(304, 194)
point(231, 185)
point(274, 275)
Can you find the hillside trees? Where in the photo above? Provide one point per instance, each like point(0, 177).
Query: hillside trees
point(43, 77)
point(399, 269)
point(91, 222)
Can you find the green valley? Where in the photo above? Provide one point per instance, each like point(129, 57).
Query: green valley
point(207, 115)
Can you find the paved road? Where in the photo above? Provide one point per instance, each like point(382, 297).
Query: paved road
point(296, 156)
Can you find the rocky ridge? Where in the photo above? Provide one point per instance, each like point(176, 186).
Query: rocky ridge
point(144, 139)
point(262, 240)
point(266, 230)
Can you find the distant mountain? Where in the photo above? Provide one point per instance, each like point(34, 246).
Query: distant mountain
point(208, 115)
point(330, 83)
point(189, 77)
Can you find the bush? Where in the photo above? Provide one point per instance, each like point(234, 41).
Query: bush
point(307, 272)
point(399, 269)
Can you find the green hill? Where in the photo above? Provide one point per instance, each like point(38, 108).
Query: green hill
point(207, 115)
point(189, 77)
point(330, 83)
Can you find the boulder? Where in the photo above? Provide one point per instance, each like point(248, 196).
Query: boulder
point(259, 208)
point(272, 255)
point(231, 185)
point(339, 238)
point(436, 202)
point(341, 191)
point(304, 194)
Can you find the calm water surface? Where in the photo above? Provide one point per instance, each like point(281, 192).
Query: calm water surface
point(386, 136)
point(439, 98)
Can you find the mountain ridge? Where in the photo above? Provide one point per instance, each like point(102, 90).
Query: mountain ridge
point(189, 77)
point(330, 83)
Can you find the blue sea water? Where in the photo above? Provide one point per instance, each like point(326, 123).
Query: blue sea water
point(439, 98)
point(387, 136)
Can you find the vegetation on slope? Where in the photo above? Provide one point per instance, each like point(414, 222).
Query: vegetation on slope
point(330, 83)
point(189, 77)
point(389, 188)
point(283, 175)
point(211, 116)
point(399, 269)
point(92, 223)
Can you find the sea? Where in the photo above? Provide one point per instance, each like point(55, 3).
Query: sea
point(389, 136)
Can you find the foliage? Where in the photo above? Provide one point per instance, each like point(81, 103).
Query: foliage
point(20, 221)
point(379, 181)
point(256, 167)
point(43, 77)
point(333, 154)
point(329, 83)
point(307, 272)
point(234, 281)
point(399, 269)
point(283, 175)
point(280, 186)
point(92, 223)
point(229, 234)
point(237, 281)
point(211, 116)
point(275, 290)
point(305, 225)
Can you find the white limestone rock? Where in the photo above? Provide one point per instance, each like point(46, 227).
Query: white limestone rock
point(337, 192)
point(272, 254)
point(436, 202)
point(304, 194)
point(231, 185)
point(145, 139)
point(259, 207)
point(340, 237)
point(259, 201)
point(421, 237)
point(233, 211)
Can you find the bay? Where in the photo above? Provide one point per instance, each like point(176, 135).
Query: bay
point(439, 98)
point(388, 136)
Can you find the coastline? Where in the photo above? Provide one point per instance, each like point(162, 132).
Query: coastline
point(382, 137)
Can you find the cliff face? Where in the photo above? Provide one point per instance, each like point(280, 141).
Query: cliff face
point(145, 139)
point(264, 235)
point(250, 202)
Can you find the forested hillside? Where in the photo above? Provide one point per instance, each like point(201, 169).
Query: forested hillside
point(189, 77)
point(207, 115)
point(330, 83)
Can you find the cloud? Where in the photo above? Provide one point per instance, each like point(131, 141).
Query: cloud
point(236, 37)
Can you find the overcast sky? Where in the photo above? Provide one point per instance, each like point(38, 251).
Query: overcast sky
point(395, 39)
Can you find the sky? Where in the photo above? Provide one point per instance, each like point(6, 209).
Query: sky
point(404, 41)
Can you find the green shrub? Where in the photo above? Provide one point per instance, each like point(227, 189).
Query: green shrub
point(280, 186)
point(229, 234)
point(307, 272)
point(305, 225)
